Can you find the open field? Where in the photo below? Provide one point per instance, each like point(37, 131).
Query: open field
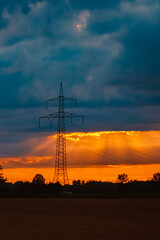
point(59, 219)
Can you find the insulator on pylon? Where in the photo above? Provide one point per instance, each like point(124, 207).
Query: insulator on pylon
point(60, 174)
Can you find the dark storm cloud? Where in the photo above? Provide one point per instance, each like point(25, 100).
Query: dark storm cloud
point(105, 27)
point(142, 48)
point(106, 53)
point(94, 4)
point(11, 5)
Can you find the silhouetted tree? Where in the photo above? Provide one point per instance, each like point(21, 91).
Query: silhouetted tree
point(38, 179)
point(122, 178)
point(156, 177)
point(76, 182)
point(2, 179)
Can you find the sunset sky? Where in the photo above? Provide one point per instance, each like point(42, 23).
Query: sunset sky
point(107, 55)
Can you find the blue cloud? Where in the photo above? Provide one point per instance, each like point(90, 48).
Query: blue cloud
point(105, 27)
point(142, 48)
point(94, 4)
point(105, 52)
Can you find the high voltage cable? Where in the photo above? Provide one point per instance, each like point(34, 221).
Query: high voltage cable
point(39, 130)
point(135, 152)
point(104, 155)
point(97, 153)
point(79, 127)
point(20, 114)
point(17, 163)
point(13, 115)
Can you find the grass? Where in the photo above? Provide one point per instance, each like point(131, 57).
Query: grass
point(85, 219)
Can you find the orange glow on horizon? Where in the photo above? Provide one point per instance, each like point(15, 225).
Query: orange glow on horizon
point(75, 136)
point(100, 155)
point(105, 173)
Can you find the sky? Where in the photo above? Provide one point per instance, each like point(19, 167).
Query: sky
point(107, 55)
point(90, 156)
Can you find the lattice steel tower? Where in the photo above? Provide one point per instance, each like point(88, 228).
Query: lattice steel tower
point(60, 174)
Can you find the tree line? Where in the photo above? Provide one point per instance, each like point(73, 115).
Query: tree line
point(123, 187)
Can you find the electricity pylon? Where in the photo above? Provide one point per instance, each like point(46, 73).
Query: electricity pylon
point(60, 174)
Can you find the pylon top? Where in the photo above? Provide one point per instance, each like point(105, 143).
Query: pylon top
point(61, 89)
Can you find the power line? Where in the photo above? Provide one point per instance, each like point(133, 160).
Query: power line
point(7, 160)
point(135, 152)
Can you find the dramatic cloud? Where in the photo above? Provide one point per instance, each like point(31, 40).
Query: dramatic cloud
point(110, 148)
point(107, 54)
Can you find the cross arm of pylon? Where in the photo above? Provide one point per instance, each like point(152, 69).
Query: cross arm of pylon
point(70, 99)
point(61, 98)
point(71, 115)
point(51, 100)
point(60, 174)
point(50, 117)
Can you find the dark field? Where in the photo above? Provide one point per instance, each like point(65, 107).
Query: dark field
point(57, 219)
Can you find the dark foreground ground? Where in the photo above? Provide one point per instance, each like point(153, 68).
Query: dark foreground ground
point(85, 219)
